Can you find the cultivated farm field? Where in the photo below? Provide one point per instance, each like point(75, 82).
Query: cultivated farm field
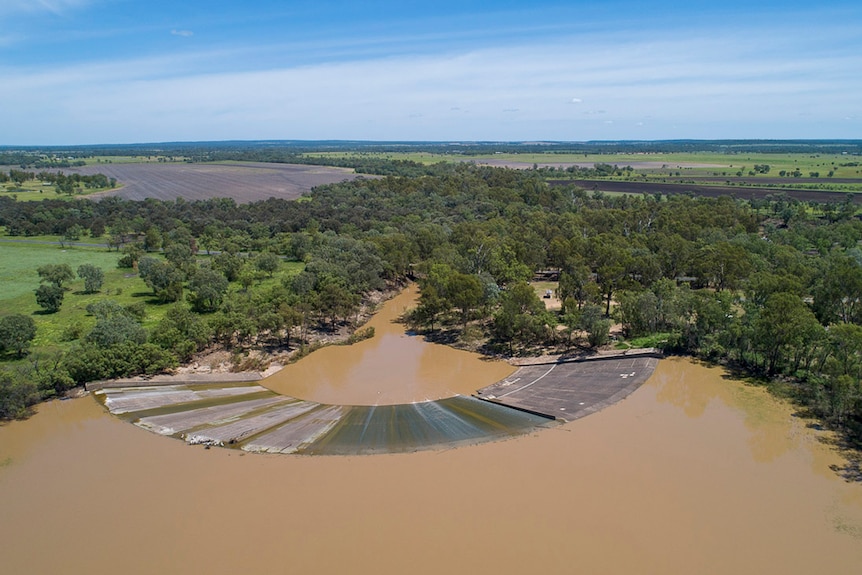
point(243, 181)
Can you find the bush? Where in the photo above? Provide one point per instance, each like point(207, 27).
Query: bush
point(16, 333)
point(93, 277)
point(50, 297)
point(16, 395)
point(116, 329)
point(90, 363)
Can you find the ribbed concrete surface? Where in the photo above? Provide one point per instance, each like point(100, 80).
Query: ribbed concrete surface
point(249, 417)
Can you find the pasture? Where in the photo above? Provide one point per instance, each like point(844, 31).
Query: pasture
point(19, 261)
point(18, 264)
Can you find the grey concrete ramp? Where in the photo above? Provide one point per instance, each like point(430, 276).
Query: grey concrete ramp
point(174, 423)
point(568, 390)
point(237, 430)
point(125, 400)
point(296, 435)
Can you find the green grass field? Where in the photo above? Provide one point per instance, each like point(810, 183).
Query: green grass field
point(29, 191)
point(18, 276)
point(36, 191)
point(18, 264)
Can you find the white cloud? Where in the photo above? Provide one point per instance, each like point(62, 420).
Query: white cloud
point(706, 88)
point(183, 33)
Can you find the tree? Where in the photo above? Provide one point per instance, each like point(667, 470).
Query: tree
point(16, 395)
point(522, 316)
point(335, 301)
point(181, 256)
point(181, 332)
point(431, 305)
point(50, 297)
point(576, 283)
point(838, 294)
point(228, 264)
point(784, 329)
point(152, 239)
point(164, 279)
point(116, 329)
point(611, 260)
point(55, 274)
point(465, 292)
point(93, 277)
point(16, 333)
point(207, 289)
point(598, 329)
point(131, 254)
point(724, 264)
point(654, 310)
point(845, 350)
point(268, 263)
point(115, 325)
point(71, 235)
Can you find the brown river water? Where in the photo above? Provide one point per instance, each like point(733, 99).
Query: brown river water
point(390, 368)
point(693, 473)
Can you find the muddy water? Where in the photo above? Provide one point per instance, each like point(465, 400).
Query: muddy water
point(691, 474)
point(390, 368)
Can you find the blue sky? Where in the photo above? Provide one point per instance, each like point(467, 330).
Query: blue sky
point(126, 71)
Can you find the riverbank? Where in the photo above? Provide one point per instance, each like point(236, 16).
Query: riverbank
point(219, 364)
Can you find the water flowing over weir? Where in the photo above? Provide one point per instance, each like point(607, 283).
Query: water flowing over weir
point(255, 420)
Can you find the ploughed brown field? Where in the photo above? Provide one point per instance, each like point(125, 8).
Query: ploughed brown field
point(646, 165)
point(243, 181)
point(743, 190)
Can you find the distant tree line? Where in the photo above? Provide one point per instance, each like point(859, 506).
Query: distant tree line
point(65, 183)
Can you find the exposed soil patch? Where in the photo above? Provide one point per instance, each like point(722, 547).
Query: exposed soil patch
point(563, 165)
point(705, 190)
point(244, 182)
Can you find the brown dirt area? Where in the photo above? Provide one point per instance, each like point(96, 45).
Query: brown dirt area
point(563, 165)
point(243, 181)
point(741, 192)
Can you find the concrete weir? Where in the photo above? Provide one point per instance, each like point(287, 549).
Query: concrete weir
point(246, 416)
point(257, 420)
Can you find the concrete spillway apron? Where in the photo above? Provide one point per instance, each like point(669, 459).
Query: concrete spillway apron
point(568, 390)
point(244, 415)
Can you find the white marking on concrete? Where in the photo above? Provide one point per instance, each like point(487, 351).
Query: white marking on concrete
point(531, 383)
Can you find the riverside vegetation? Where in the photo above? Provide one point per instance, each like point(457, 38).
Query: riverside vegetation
point(773, 288)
